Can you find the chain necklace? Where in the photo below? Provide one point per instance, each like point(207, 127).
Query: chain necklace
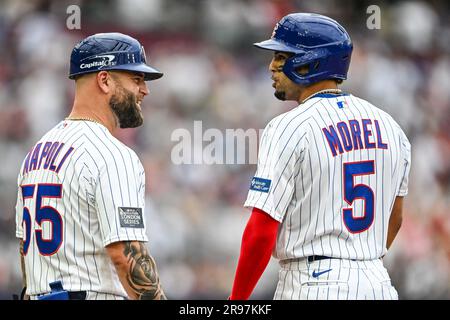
point(83, 119)
point(333, 91)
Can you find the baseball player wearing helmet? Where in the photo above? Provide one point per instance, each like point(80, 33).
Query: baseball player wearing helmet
point(328, 191)
point(80, 204)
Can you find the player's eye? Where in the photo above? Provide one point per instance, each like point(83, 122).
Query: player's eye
point(280, 57)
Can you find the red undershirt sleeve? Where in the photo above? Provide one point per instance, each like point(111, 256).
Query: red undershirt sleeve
point(258, 241)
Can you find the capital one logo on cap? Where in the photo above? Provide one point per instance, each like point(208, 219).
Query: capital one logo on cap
point(104, 60)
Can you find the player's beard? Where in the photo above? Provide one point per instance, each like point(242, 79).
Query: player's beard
point(280, 95)
point(123, 104)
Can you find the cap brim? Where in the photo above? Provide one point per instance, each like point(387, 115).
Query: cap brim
point(275, 45)
point(149, 72)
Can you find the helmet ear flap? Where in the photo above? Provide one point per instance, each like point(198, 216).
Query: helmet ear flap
point(316, 65)
point(305, 68)
point(291, 69)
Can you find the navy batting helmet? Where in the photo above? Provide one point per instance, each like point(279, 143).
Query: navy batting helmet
point(317, 41)
point(110, 51)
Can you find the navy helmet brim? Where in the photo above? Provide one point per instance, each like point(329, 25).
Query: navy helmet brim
point(275, 45)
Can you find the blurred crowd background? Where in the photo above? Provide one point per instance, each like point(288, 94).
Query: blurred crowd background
point(213, 74)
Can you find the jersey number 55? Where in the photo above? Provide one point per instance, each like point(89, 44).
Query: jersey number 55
point(50, 245)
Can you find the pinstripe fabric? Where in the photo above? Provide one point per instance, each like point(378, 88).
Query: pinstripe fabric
point(97, 177)
point(347, 280)
point(306, 176)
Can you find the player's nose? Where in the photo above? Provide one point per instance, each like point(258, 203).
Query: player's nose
point(144, 88)
point(272, 66)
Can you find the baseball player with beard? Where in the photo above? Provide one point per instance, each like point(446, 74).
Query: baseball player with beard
point(328, 191)
point(80, 205)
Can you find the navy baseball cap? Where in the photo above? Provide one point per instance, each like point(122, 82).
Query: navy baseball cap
point(110, 51)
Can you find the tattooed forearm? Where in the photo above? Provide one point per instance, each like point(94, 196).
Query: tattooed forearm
point(142, 275)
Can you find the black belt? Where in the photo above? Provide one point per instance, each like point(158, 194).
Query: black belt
point(77, 295)
point(316, 258)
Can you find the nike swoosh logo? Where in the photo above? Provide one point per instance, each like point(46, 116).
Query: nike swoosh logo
point(316, 274)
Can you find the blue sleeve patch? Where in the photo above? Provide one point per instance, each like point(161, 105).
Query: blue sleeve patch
point(260, 184)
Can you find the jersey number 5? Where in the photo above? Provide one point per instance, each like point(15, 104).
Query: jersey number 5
point(47, 247)
point(359, 191)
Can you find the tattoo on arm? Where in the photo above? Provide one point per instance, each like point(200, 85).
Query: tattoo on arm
point(142, 275)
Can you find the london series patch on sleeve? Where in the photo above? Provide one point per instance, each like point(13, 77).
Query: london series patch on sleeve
point(260, 184)
point(131, 217)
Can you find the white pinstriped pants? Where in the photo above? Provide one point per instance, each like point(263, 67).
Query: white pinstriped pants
point(347, 280)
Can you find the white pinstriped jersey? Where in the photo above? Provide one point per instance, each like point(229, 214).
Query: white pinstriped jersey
point(80, 189)
point(329, 172)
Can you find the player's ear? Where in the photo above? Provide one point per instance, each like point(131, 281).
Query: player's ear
point(104, 81)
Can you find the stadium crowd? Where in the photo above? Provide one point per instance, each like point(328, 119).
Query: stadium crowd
point(214, 75)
